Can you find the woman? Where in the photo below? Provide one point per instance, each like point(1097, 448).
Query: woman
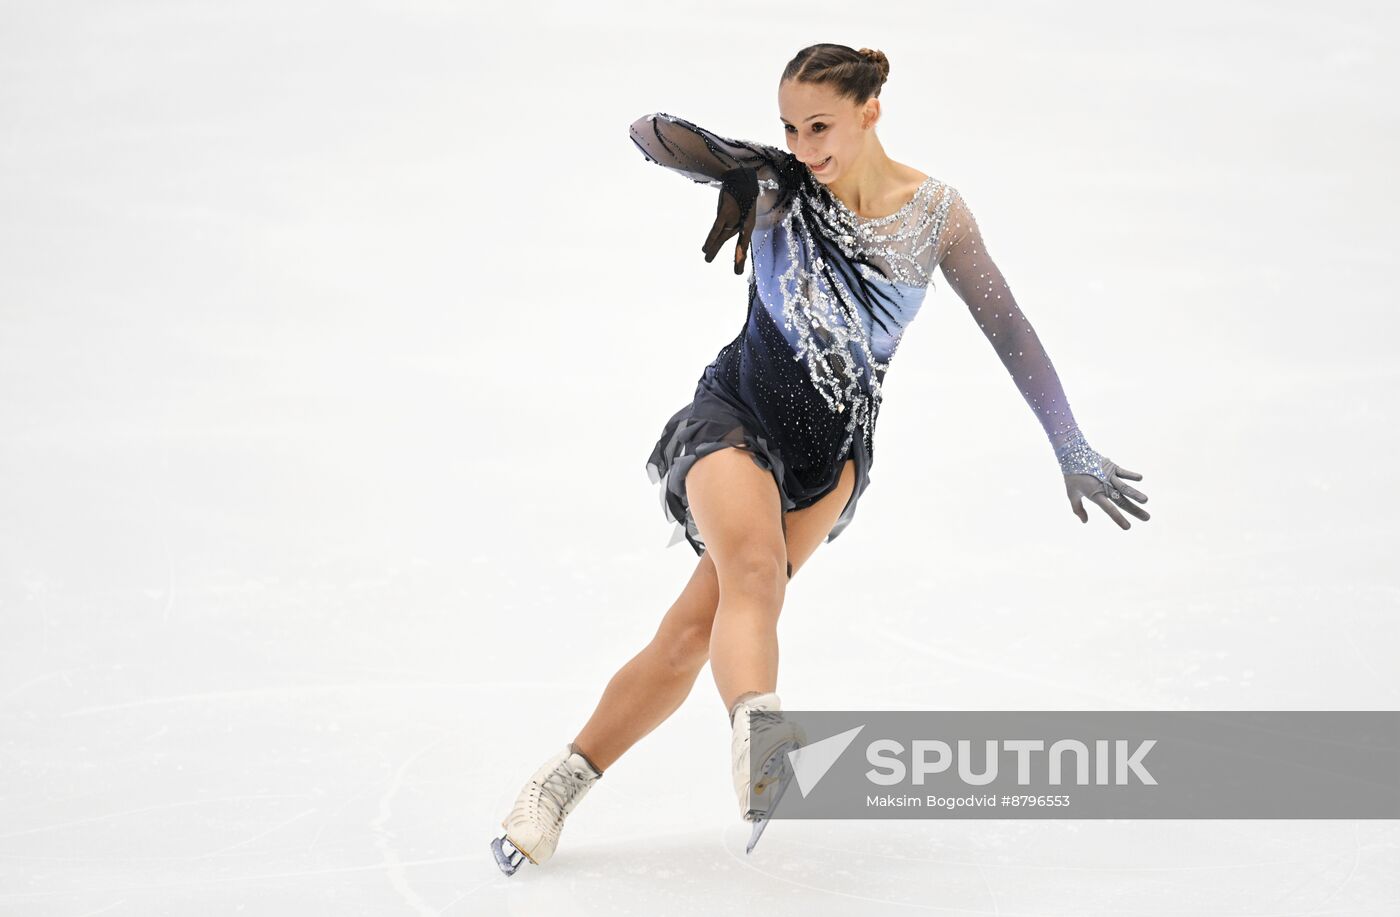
point(774, 451)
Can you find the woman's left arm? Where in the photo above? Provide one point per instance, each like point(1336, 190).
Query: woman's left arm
point(974, 276)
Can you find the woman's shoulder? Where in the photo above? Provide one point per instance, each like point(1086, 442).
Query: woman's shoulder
point(917, 182)
point(941, 194)
point(937, 194)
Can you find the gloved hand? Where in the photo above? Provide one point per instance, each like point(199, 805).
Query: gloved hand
point(736, 214)
point(1107, 491)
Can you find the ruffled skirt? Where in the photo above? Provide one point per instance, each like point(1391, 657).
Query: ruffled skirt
point(756, 395)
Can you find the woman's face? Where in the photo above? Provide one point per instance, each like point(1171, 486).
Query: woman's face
point(824, 131)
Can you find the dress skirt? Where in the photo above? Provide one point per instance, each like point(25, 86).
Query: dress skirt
point(756, 394)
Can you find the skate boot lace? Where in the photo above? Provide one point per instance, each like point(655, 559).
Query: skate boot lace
point(767, 716)
point(760, 718)
point(561, 787)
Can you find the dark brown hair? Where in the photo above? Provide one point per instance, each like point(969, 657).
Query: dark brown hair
point(856, 75)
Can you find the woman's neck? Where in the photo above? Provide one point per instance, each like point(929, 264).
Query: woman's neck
point(875, 186)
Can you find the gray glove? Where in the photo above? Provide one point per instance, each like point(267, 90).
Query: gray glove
point(1108, 491)
point(736, 215)
point(1089, 474)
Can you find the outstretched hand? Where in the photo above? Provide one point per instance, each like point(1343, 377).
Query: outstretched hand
point(1107, 495)
point(736, 215)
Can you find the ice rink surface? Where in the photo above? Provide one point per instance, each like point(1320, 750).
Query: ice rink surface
point(334, 337)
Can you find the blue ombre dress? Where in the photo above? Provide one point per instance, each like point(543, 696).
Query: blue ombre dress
point(830, 295)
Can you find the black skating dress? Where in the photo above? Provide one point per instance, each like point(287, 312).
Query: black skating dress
point(830, 296)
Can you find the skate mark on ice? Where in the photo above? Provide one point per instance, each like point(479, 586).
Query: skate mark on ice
point(398, 878)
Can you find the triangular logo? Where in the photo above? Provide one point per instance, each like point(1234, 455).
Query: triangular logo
point(811, 762)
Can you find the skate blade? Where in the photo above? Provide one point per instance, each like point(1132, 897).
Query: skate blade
point(778, 765)
point(506, 837)
point(761, 818)
point(509, 862)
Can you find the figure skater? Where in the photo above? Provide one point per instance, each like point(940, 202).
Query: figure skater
point(772, 454)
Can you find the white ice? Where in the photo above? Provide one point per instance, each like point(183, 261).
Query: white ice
point(334, 337)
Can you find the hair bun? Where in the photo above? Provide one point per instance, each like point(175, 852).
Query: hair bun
point(878, 59)
point(843, 68)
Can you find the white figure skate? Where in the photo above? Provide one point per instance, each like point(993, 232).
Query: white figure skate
point(534, 824)
point(776, 737)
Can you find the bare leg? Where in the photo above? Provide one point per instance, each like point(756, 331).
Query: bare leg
point(656, 681)
point(738, 511)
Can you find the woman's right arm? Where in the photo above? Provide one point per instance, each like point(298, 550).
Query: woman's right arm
point(703, 156)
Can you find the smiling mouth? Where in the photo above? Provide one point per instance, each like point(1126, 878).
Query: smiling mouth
point(818, 165)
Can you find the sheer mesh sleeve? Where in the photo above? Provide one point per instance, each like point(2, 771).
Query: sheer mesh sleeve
point(974, 276)
point(703, 156)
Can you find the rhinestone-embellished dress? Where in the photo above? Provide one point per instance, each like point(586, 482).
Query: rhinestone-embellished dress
point(830, 296)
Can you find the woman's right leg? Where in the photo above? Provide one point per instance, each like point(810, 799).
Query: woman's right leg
point(655, 682)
